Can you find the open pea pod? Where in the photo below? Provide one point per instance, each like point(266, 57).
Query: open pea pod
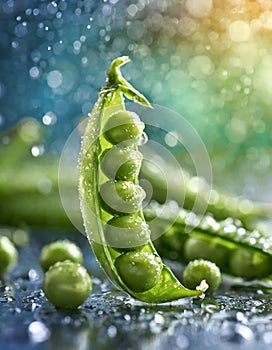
point(227, 243)
point(136, 268)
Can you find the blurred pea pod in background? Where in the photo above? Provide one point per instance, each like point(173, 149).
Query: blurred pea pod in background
point(29, 185)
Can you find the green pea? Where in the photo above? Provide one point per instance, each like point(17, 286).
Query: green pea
point(123, 126)
point(8, 255)
point(140, 271)
point(121, 197)
point(198, 270)
point(67, 284)
point(59, 251)
point(121, 163)
point(250, 264)
point(198, 248)
point(128, 232)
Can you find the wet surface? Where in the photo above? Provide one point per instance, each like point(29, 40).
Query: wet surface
point(234, 317)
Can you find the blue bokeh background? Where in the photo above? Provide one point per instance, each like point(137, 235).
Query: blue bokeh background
point(210, 66)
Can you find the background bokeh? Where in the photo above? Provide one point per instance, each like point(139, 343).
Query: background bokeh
point(208, 60)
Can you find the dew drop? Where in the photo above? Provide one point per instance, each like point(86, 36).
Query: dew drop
point(33, 275)
point(127, 317)
point(143, 139)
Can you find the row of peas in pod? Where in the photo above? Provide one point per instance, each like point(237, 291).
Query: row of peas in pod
point(121, 196)
point(235, 250)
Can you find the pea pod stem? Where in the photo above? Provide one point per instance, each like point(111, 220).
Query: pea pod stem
point(168, 287)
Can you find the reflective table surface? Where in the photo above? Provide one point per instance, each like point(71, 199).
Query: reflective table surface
point(235, 317)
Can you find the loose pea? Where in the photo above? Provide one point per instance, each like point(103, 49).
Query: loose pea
point(198, 248)
point(123, 126)
point(198, 270)
point(249, 263)
point(121, 163)
point(121, 197)
point(140, 271)
point(67, 284)
point(8, 255)
point(59, 251)
point(127, 232)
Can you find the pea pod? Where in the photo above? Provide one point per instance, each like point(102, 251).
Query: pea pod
point(137, 267)
point(218, 203)
point(227, 243)
point(30, 194)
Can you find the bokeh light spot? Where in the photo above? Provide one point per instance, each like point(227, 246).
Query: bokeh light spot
point(239, 31)
point(49, 118)
point(171, 139)
point(201, 66)
point(198, 8)
point(34, 72)
point(54, 79)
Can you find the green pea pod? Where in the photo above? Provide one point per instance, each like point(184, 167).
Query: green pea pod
point(227, 243)
point(122, 268)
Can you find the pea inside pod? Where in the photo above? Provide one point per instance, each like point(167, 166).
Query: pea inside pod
point(139, 270)
point(196, 248)
point(127, 232)
point(250, 264)
point(236, 251)
point(121, 163)
point(123, 126)
point(121, 197)
point(121, 240)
